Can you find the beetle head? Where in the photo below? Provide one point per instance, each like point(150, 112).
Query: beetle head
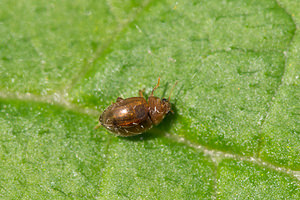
point(167, 105)
point(158, 108)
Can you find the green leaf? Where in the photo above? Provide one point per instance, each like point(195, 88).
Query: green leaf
point(244, 180)
point(235, 131)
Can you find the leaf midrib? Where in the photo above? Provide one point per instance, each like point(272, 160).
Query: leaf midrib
point(215, 155)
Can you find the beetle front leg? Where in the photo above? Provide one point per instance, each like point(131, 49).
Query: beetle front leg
point(141, 92)
point(119, 99)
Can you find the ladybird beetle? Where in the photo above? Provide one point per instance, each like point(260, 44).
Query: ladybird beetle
point(133, 116)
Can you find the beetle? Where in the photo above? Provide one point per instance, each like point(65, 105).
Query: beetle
point(134, 115)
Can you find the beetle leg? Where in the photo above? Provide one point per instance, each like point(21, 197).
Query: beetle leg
point(119, 99)
point(141, 92)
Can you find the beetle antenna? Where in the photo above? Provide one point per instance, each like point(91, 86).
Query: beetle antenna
point(172, 90)
point(155, 86)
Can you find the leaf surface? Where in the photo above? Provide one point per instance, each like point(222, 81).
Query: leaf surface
point(235, 131)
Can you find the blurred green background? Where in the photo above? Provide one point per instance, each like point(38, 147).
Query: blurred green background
point(235, 131)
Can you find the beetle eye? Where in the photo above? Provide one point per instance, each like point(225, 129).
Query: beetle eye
point(164, 100)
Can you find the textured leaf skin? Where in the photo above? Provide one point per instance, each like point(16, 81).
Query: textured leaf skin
point(235, 131)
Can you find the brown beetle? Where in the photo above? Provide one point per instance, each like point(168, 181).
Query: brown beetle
point(133, 116)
